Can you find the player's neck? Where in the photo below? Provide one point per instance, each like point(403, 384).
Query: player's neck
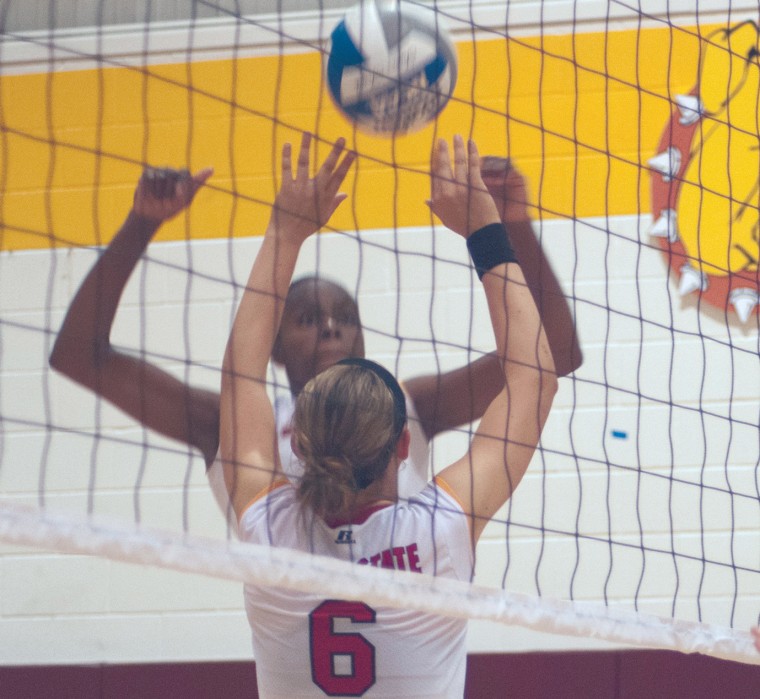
point(384, 489)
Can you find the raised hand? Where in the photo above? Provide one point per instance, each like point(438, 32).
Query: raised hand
point(459, 197)
point(507, 187)
point(163, 192)
point(304, 203)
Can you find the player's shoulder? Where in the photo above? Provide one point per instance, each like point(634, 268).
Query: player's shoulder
point(438, 495)
point(277, 497)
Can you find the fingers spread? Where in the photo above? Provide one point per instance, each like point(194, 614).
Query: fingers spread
point(460, 160)
point(287, 162)
point(304, 203)
point(303, 157)
point(330, 161)
point(333, 172)
point(440, 168)
point(474, 157)
point(461, 200)
point(342, 170)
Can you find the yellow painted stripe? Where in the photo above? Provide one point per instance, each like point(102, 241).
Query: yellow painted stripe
point(73, 143)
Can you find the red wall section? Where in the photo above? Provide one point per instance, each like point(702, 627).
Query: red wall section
point(610, 675)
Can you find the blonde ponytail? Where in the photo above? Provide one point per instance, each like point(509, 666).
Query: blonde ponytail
point(345, 432)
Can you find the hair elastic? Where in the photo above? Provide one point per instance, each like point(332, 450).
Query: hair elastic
point(489, 247)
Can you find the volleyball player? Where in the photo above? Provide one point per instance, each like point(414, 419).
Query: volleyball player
point(321, 324)
point(350, 431)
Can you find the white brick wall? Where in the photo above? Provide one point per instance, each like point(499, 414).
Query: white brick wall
point(73, 609)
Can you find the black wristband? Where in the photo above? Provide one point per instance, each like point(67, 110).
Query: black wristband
point(489, 246)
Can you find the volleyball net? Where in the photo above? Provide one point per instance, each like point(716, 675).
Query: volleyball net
point(637, 521)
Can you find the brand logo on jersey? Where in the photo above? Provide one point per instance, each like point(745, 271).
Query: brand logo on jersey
point(345, 537)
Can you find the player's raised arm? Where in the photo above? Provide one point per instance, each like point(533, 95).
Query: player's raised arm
point(511, 426)
point(247, 431)
point(508, 189)
point(83, 349)
point(454, 398)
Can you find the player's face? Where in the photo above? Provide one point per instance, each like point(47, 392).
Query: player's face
point(320, 326)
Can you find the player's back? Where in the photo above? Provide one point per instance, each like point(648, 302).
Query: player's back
point(306, 645)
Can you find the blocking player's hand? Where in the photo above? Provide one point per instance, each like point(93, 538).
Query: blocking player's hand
point(163, 192)
point(304, 203)
point(507, 187)
point(459, 196)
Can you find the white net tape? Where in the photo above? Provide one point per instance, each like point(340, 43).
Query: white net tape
point(316, 574)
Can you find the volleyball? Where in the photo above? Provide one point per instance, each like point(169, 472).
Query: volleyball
point(391, 67)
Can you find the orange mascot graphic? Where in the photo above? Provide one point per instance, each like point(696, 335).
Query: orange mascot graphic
point(706, 176)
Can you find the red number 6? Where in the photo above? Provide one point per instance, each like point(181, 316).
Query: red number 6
point(326, 644)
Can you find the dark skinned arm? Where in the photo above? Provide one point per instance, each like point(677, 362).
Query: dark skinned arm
point(83, 351)
point(452, 399)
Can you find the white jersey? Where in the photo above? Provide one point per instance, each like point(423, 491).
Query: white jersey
point(309, 646)
point(413, 474)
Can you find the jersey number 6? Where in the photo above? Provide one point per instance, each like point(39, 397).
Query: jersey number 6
point(331, 649)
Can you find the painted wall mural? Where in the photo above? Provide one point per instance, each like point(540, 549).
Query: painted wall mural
point(705, 196)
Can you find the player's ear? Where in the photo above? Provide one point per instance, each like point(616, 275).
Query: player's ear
point(358, 349)
point(402, 446)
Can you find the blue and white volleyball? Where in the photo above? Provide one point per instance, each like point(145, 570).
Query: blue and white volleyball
point(391, 66)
